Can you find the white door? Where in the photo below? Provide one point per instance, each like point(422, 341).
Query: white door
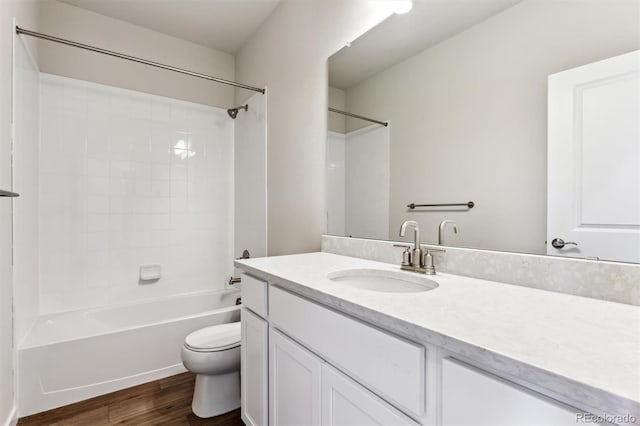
point(254, 351)
point(594, 160)
point(473, 397)
point(346, 403)
point(294, 383)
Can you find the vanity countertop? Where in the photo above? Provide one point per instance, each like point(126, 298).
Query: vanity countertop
point(579, 348)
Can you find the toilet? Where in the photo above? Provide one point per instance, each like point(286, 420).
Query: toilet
point(213, 354)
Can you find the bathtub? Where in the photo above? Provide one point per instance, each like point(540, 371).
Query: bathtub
point(72, 356)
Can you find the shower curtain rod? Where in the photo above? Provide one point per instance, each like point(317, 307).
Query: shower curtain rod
point(135, 59)
point(382, 123)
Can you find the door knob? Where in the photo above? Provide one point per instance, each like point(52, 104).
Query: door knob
point(560, 243)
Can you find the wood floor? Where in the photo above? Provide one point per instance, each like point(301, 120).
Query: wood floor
point(165, 402)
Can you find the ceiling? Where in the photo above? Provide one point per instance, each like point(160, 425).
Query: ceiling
point(402, 36)
point(219, 24)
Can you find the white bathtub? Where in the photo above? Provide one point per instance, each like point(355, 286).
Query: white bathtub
point(73, 356)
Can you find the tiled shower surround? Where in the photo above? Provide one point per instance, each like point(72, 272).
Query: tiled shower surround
point(128, 179)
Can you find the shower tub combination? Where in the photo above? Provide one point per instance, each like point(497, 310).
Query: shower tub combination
point(72, 356)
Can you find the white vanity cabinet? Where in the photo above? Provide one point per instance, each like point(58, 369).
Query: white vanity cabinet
point(306, 390)
point(390, 366)
point(306, 364)
point(473, 397)
point(308, 343)
point(254, 352)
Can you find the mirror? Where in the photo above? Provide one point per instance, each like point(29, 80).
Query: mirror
point(528, 109)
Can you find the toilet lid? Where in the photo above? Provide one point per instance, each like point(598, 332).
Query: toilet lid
point(214, 338)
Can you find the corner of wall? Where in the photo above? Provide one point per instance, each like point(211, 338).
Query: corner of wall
point(297, 108)
point(12, 418)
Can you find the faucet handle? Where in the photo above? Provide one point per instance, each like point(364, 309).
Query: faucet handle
point(432, 250)
point(427, 261)
point(436, 250)
point(406, 254)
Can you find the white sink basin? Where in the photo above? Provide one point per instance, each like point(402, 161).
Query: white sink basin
point(382, 280)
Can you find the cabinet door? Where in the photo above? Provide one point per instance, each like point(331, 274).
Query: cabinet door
point(473, 397)
point(254, 369)
point(347, 403)
point(294, 383)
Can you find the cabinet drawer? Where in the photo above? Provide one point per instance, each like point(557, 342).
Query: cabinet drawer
point(254, 294)
point(389, 366)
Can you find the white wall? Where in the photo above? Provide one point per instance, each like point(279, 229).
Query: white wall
point(358, 176)
point(337, 99)
point(336, 184)
point(25, 181)
point(288, 54)
point(250, 182)
point(470, 116)
point(127, 179)
point(6, 274)
point(70, 22)
point(26, 14)
point(367, 177)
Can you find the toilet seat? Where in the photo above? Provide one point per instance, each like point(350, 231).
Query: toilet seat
point(216, 338)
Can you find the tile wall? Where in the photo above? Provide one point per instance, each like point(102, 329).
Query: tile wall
point(127, 179)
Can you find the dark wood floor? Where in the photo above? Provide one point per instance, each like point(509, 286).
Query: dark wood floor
point(165, 402)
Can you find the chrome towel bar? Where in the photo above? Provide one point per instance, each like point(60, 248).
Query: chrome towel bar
point(361, 117)
point(4, 193)
point(469, 205)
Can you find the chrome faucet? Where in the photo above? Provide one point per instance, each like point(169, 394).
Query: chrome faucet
point(442, 227)
point(417, 260)
point(414, 262)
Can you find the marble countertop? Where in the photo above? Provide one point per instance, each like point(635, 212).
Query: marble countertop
point(574, 347)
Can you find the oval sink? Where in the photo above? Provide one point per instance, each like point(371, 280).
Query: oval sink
point(383, 280)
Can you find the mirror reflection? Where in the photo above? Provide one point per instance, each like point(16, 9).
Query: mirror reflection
point(511, 125)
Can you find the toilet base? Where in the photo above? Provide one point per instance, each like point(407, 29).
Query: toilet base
point(216, 394)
